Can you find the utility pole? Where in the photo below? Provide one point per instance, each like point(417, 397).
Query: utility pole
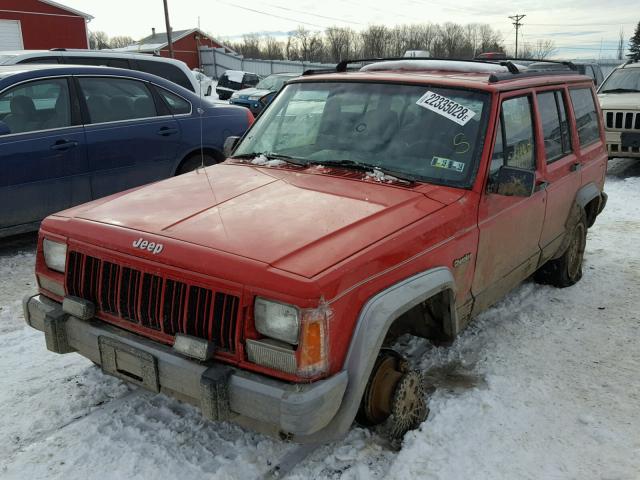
point(516, 23)
point(168, 25)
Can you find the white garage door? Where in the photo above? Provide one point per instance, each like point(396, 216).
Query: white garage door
point(10, 35)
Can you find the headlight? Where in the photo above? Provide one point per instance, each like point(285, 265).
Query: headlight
point(255, 97)
point(235, 95)
point(55, 254)
point(277, 320)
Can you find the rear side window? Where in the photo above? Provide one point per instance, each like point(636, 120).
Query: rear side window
point(514, 145)
point(586, 113)
point(39, 105)
point(167, 71)
point(225, 81)
point(98, 61)
point(177, 105)
point(251, 79)
point(555, 128)
point(114, 99)
point(40, 60)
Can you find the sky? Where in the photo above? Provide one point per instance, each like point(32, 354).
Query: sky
point(579, 28)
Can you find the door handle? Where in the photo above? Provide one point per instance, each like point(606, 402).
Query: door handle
point(64, 144)
point(576, 166)
point(541, 186)
point(165, 131)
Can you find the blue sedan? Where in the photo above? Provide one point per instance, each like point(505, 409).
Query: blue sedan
point(70, 134)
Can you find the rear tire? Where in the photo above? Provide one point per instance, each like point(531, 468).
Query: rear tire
point(195, 161)
point(566, 270)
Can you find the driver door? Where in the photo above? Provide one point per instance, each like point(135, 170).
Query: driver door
point(510, 226)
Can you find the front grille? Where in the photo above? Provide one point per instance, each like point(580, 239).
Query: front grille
point(163, 304)
point(622, 120)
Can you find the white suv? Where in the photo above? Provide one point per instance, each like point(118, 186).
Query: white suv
point(619, 98)
point(175, 71)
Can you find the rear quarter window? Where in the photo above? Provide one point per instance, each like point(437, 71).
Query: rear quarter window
point(177, 105)
point(167, 71)
point(586, 114)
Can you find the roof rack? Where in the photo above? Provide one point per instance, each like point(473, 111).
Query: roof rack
point(512, 68)
point(343, 65)
point(566, 63)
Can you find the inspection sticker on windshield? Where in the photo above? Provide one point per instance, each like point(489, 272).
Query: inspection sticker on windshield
point(441, 162)
point(446, 107)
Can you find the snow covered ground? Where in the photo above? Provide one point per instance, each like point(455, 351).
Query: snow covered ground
point(546, 385)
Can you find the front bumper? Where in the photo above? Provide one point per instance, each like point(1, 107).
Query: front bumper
point(615, 148)
point(292, 411)
point(254, 105)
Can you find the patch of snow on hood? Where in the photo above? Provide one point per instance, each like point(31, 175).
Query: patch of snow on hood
point(263, 161)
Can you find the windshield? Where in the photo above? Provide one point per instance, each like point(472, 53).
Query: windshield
point(430, 133)
point(272, 82)
point(626, 79)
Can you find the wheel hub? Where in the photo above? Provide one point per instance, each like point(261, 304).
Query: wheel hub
point(394, 397)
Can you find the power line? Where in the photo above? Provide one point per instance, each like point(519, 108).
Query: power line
point(313, 14)
point(516, 22)
point(261, 12)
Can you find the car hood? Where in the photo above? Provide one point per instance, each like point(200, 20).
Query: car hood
point(247, 92)
point(619, 101)
point(298, 222)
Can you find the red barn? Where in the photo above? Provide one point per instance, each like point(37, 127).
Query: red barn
point(41, 25)
point(185, 45)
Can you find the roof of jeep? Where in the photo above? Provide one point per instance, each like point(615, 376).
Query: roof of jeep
point(473, 80)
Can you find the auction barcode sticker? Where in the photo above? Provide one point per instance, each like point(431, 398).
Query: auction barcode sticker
point(446, 107)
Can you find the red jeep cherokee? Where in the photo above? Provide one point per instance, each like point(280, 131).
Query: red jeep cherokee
point(402, 197)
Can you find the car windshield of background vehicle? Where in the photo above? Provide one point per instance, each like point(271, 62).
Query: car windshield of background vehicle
point(272, 83)
point(429, 133)
point(622, 80)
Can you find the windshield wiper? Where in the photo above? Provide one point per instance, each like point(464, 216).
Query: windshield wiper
point(366, 167)
point(270, 156)
point(621, 90)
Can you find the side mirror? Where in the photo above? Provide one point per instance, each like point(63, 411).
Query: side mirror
point(229, 146)
point(513, 182)
point(4, 128)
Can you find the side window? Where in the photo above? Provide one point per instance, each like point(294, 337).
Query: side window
point(554, 125)
point(251, 79)
point(514, 146)
point(39, 105)
point(86, 61)
point(177, 105)
point(111, 99)
point(118, 63)
point(586, 115)
point(41, 60)
point(166, 70)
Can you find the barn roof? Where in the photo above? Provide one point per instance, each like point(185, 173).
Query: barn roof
point(68, 9)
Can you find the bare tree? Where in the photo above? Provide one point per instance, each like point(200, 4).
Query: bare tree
point(98, 40)
point(121, 41)
point(621, 39)
point(340, 43)
point(273, 49)
point(291, 48)
point(374, 39)
point(452, 40)
point(542, 49)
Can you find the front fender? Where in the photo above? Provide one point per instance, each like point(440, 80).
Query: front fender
point(374, 321)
